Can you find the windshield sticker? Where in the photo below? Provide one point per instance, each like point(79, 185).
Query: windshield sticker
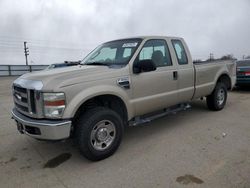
point(131, 44)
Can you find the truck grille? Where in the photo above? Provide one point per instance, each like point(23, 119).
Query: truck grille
point(24, 100)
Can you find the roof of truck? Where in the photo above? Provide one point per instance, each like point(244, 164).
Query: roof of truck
point(148, 37)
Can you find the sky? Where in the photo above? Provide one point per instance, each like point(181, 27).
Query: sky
point(58, 30)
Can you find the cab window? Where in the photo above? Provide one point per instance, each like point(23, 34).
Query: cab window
point(180, 52)
point(157, 51)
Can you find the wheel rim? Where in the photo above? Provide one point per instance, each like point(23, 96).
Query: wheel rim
point(220, 96)
point(103, 135)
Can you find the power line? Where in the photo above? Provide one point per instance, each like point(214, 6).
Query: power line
point(43, 47)
point(38, 41)
point(55, 47)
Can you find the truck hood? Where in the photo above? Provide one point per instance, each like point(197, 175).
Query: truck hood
point(68, 76)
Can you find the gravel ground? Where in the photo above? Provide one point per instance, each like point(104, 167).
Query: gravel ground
point(194, 148)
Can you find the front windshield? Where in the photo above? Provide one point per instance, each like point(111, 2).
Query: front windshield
point(113, 53)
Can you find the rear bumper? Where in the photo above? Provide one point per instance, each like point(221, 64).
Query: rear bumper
point(42, 129)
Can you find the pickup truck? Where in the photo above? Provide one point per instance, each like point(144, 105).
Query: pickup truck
point(120, 83)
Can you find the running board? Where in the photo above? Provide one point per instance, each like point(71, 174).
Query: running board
point(172, 110)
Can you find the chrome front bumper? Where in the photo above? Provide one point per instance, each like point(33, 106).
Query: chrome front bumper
point(42, 129)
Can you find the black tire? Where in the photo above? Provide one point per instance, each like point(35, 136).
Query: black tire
point(86, 125)
point(213, 101)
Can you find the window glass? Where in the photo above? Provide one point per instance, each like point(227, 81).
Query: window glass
point(117, 52)
point(243, 63)
point(157, 51)
point(106, 54)
point(180, 52)
point(127, 52)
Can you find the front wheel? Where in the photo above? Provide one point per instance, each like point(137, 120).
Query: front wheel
point(99, 133)
point(217, 100)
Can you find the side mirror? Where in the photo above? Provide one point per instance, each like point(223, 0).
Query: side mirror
point(145, 65)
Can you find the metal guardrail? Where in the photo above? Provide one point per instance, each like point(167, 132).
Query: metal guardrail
point(17, 70)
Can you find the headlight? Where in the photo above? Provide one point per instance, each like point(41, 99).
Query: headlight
point(54, 104)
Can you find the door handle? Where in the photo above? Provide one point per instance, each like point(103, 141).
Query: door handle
point(175, 75)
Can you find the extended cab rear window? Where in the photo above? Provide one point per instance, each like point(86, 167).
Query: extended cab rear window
point(180, 52)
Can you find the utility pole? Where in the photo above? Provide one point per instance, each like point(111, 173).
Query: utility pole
point(26, 51)
point(211, 56)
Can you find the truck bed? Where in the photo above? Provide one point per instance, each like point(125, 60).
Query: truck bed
point(208, 72)
point(210, 61)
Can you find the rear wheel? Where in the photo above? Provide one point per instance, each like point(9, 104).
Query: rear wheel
point(217, 100)
point(99, 133)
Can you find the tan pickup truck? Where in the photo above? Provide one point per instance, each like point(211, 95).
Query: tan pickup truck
point(122, 82)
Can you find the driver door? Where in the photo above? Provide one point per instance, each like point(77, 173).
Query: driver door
point(157, 89)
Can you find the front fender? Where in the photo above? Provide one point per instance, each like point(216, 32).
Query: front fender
point(95, 91)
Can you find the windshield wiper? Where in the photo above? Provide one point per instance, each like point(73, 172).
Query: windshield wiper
point(97, 63)
point(73, 62)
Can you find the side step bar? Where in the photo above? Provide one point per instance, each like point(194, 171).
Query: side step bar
point(148, 118)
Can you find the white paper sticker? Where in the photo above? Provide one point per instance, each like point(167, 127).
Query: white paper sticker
point(131, 44)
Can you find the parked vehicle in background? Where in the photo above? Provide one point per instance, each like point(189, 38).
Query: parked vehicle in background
point(64, 64)
point(243, 72)
point(122, 82)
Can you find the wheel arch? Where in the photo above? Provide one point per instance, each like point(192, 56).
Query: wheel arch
point(77, 101)
point(225, 78)
point(110, 101)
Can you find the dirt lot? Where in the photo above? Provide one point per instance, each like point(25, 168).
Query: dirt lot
point(195, 148)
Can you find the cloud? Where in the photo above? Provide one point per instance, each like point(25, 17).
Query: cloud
point(58, 30)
